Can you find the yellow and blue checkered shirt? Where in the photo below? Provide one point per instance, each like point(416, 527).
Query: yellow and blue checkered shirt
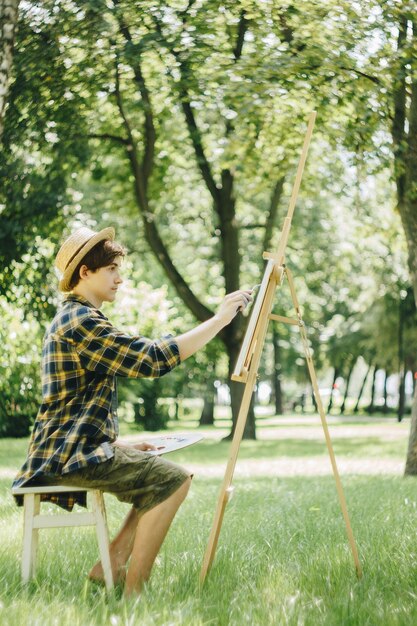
point(82, 355)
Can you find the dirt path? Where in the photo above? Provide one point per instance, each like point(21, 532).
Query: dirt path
point(301, 466)
point(310, 429)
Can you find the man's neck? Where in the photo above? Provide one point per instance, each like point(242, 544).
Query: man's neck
point(88, 295)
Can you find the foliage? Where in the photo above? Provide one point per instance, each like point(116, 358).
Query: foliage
point(142, 309)
point(382, 325)
point(39, 149)
point(215, 97)
point(148, 410)
point(19, 372)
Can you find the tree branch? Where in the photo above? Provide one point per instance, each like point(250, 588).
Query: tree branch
point(223, 200)
point(273, 211)
point(194, 131)
point(184, 13)
point(115, 138)
point(237, 53)
point(8, 23)
point(288, 35)
point(241, 31)
point(398, 124)
point(152, 236)
point(412, 134)
point(131, 146)
point(149, 127)
point(374, 79)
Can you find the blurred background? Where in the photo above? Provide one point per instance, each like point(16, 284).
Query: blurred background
point(180, 124)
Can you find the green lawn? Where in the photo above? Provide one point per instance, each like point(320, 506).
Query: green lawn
point(283, 556)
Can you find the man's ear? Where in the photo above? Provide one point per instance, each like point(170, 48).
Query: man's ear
point(83, 271)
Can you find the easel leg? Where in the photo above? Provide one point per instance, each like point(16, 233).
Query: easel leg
point(322, 414)
point(226, 489)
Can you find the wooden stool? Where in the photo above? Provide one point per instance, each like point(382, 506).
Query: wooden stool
point(33, 521)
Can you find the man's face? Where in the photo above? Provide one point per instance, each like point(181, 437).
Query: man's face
point(104, 282)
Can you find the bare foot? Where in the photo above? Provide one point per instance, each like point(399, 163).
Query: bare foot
point(96, 573)
point(133, 591)
point(133, 584)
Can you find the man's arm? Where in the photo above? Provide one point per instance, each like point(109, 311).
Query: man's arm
point(195, 339)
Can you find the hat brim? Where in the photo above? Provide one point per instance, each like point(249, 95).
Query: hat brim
point(103, 235)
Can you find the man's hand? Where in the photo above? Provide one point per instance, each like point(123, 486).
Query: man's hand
point(232, 304)
point(144, 445)
point(194, 339)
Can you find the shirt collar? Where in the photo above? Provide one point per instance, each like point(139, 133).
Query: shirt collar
point(77, 298)
point(72, 297)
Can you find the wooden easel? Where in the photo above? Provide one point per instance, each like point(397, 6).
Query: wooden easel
point(248, 362)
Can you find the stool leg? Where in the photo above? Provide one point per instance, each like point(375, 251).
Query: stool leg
point(30, 536)
point(102, 536)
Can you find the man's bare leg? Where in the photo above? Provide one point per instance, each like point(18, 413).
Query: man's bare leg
point(150, 534)
point(120, 549)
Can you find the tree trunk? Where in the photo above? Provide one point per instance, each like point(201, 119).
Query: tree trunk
point(371, 407)
point(8, 22)
point(402, 366)
point(256, 394)
point(411, 463)
point(209, 394)
point(236, 393)
point(401, 395)
point(276, 377)
point(385, 406)
point(314, 401)
point(356, 409)
point(335, 376)
point(207, 414)
point(342, 408)
point(404, 134)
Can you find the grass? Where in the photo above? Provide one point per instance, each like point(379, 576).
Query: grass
point(283, 556)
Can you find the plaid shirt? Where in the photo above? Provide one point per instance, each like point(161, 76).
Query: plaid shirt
point(77, 421)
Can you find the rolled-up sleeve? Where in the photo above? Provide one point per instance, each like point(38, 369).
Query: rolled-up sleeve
point(104, 349)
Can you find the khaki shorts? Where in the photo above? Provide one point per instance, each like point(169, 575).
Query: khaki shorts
point(133, 476)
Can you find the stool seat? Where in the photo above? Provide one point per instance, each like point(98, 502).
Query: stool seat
point(47, 489)
point(33, 521)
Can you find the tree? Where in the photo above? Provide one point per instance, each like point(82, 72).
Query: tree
point(192, 121)
point(39, 157)
point(404, 134)
point(380, 100)
point(8, 21)
point(136, 53)
point(19, 371)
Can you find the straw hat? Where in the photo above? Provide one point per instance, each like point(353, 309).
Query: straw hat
point(75, 248)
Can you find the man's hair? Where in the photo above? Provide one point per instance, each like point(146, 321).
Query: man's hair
point(101, 255)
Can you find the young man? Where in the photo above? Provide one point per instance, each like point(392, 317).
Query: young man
point(74, 439)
